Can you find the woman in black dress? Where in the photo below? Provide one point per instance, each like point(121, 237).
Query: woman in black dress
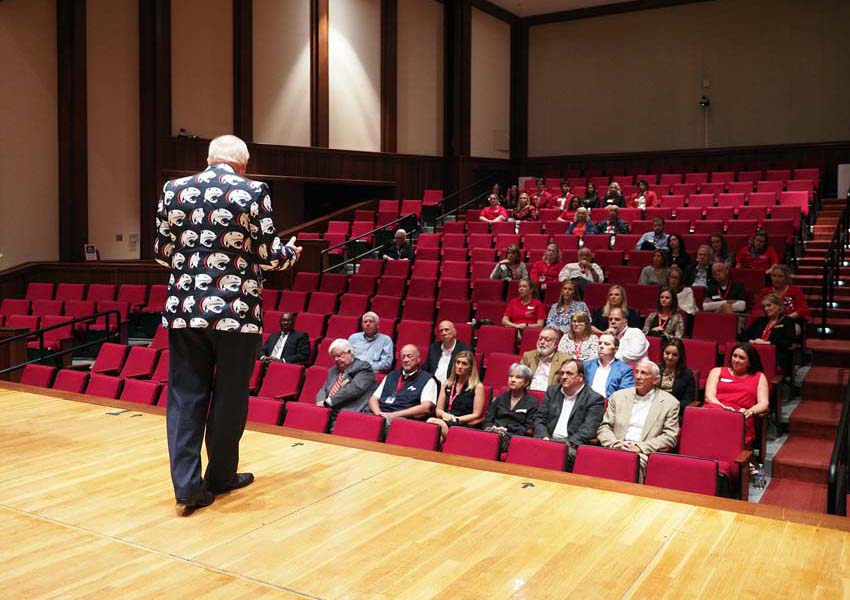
point(461, 399)
point(512, 412)
point(676, 377)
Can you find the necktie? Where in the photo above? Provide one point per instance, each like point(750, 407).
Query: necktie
point(337, 384)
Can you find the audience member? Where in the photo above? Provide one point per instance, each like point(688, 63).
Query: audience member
point(585, 269)
point(684, 294)
point(724, 295)
point(442, 354)
point(642, 419)
point(776, 328)
point(511, 267)
point(461, 398)
point(676, 253)
point(757, 255)
point(525, 310)
point(545, 271)
point(373, 347)
point(579, 342)
point(525, 210)
point(581, 225)
point(494, 212)
point(511, 197)
point(676, 377)
point(793, 298)
point(644, 197)
point(591, 197)
point(665, 321)
point(512, 412)
point(606, 374)
point(616, 299)
point(614, 196)
point(560, 314)
point(545, 360)
point(399, 248)
point(288, 345)
point(655, 238)
point(720, 249)
point(570, 412)
point(543, 199)
point(350, 381)
point(408, 392)
point(496, 190)
point(699, 273)
point(655, 273)
point(614, 224)
point(740, 387)
point(568, 214)
point(563, 200)
point(633, 344)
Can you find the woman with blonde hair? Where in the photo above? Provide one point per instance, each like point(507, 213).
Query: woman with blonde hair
point(579, 343)
point(461, 399)
point(616, 299)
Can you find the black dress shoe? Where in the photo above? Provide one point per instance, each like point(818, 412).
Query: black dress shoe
point(186, 506)
point(239, 480)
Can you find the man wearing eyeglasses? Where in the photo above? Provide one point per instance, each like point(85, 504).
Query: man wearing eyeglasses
point(571, 412)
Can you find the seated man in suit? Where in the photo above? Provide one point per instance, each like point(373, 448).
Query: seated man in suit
point(288, 346)
point(570, 411)
point(399, 248)
point(614, 224)
point(350, 381)
point(407, 392)
point(441, 355)
point(642, 419)
point(722, 294)
point(607, 374)
point(373, 347)
point(699, 273)
point(633, 345)
point(545, 360)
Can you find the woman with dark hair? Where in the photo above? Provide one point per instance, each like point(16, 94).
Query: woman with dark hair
point(757, 255)
point(720, 249)
point(666, 320)
point(676, 253)
point(525, 310)
point(570, 208)
point(511, 197)
point(644, 197)
point(684, 294)
point(776, 328)
point(512, 412)
point(676, 377)
point(740, 387)
point(569, 303)
point(591, 197)
point(510, 267)
point(461, 399)
point(655, 273)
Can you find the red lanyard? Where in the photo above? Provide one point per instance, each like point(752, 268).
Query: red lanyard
point(402, 381)
point(765, 335)
point(578, 346)
point(662, 321)
point(726, 293)
point(453, 393)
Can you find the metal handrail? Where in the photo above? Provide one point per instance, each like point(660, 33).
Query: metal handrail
point(108, 334)
point(354, 259)
point(838, 464)
point(456, 210)
point(833, 263)
point(368, 233)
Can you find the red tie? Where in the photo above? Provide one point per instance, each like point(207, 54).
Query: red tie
point(337, 384)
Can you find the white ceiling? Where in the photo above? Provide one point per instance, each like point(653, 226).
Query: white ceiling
point(528, 8)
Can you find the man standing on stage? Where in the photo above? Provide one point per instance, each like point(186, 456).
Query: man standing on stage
point(215, 232)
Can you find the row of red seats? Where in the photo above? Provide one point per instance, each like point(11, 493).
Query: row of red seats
point(138, 298)
point(633, 176)
point(691, 190)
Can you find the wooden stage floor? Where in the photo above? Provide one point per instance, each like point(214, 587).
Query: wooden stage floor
point(86, 509)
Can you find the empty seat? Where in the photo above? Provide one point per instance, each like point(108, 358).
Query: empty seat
point(312, 325)
point(417, 333)
point(39, 291)
point(353, 304)
point(537, 453)
point(160, 374)
point(453, 289)
point(111, 321)
point(41, 308)
point(472, 442)
point(305, 281)
point(69, 291)
point(104, 386)
point(386, 306)
point(371, 266)
point(143, 392)
point(28, 322)
point(309, 417)
point(418, 309)
point(607, 463)
point(140, 363)
point(54, 335)
point(70, 380)
point(134, 295)
point(160, 339)
point(683, 473)
point(264, 410)
point(342, 326)
point(38, 375)
point(359, 425)
point(362, 284)
point(156, 299)
point(15, 306)
point(101, 292)
point(457, 311)
point(322, 303)
point(110, 359)
point(498, 366)
point(718, 435)
point(293, 301)
point(413, 434)
point(281, 381)
point(392, 286)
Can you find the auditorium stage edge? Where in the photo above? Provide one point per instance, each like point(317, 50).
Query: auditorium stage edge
point(86, 509)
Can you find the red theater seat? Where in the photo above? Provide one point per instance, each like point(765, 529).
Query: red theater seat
point(264, 410)
point(537, 453)
point(309, 417)
point(472, 442)
point(143, 392)
point(413, 434)
point(359, 425)
point(104, 386)
point(38, 375)
point(607, 463)
point(683, 473)
point(69, 380)
point(140, 364)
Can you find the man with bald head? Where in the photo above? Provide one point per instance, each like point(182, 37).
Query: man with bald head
point(441, 354)
point(408, 392)
point(722, 294)
point(641, 419)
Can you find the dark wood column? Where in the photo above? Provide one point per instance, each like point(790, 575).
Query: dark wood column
point(72, 121)
point(519, 91)
point(154, 110)
point(389, 75)
point(319, 73)
point(243, 69)
point(458, 78)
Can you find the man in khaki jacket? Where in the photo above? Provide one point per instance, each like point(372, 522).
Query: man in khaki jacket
point(642, 419)
point(545, 360)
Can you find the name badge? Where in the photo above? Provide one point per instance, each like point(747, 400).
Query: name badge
point(389, 400)
point(724, 380)
point(521, 410)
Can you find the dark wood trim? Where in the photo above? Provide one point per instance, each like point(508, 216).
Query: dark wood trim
point(519, 91)
point(457, 78)
point(605, 10)
point(72, 128)
point(319, 86)
point(777, 513)
point(243, 69)
point(154, 110)
point(495, 11)
point(389, 75)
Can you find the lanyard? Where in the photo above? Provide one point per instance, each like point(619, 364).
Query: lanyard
point(402, 381)
point(662, 321)
point(453, 393)
point(765, 335)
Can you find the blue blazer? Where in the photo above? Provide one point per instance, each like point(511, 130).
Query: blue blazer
point(620, 377)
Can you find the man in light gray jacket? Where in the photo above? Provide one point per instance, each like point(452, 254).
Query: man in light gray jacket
point(350, 381)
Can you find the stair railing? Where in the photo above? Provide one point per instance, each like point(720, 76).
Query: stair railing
point(834, 262)
point(839, 464)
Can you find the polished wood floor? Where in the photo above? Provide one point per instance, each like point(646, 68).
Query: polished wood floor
point(86, 510)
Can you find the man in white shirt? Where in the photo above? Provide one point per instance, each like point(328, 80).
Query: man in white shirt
point(441, 355)
point(633, 343)
point(722, 294)
point(642, 419)
point(408, 392)
point(585, 268)
point(570, 412)
point(545, 360)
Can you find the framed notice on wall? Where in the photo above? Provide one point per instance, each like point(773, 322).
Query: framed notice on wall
point(90, 252)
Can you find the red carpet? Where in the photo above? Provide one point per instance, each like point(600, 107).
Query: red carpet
point(801, 495)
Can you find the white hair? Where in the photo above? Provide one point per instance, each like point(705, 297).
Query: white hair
point(339, 345)
point(370, 314)
point(401, 231)
point(229, 149)
point(653, 368)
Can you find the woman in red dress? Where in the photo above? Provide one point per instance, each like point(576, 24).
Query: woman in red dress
point(758, 255)
point(740, 387)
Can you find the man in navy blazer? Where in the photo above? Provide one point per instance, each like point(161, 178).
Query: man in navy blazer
point(613, 374)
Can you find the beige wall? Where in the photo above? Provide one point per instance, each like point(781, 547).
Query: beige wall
point(490, 104)
point(420, 77)
point(354, 65)
point(777, 73)
point(112, 56)
point(29, 225)
point(282, 72)
point(202, 67)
